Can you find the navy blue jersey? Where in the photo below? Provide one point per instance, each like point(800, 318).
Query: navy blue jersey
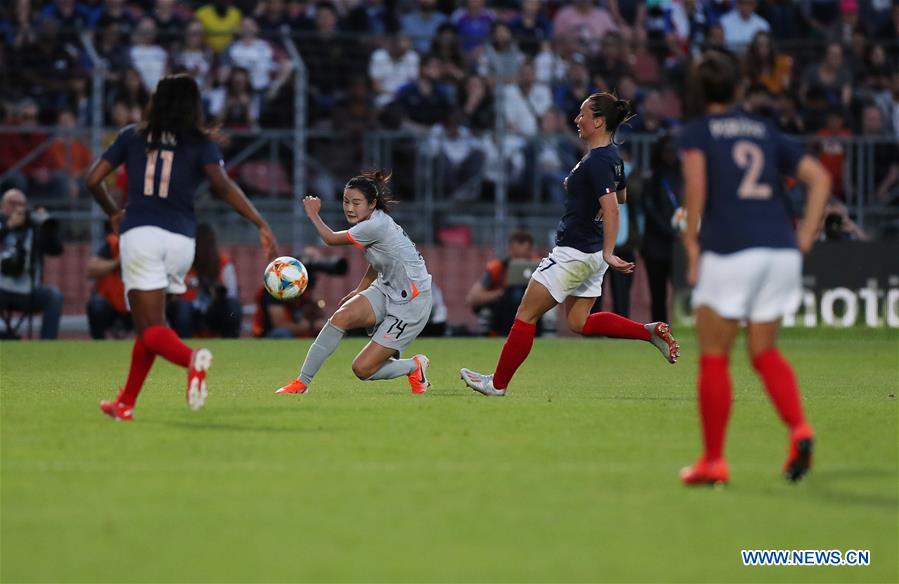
point(746, 158)
point(162, 178)
point(599, 173)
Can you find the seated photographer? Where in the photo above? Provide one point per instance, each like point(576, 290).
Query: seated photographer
point(211, 305)
point(496, 296)
point(837, 225)
point(25, 237)
point(301, 317)
point(107, 311)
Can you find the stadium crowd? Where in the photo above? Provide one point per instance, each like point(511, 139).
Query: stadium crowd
point(445, 70)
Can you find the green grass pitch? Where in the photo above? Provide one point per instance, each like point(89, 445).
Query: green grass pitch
point(572, 477)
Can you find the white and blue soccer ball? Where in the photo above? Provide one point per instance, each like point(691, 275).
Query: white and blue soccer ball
point(285, 278)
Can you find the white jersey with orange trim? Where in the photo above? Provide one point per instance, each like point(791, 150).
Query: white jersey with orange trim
point(402, 274)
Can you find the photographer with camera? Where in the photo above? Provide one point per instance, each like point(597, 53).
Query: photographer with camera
point(211, 304)
point(25, 237)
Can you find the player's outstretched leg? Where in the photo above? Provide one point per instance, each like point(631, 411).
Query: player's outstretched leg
point(324, 345)
point(480, 383)
point(609, 324)
point(122, 407)
point(714, 407)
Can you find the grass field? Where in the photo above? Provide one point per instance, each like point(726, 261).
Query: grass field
point(572, 477)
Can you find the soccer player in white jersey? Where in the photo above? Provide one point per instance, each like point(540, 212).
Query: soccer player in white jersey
point(393, 300)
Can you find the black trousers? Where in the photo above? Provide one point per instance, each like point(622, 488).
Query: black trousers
point(659, 272)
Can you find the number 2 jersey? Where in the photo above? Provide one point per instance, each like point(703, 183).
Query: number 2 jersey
point(162, 178)
point(402, 274)
point(746, 159)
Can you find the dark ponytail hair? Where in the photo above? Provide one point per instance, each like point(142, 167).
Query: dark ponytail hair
point(713, 79)
point(375, 186)
point(174, 109)
point(615, 111)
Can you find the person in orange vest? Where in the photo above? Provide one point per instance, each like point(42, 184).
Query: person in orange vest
point(211, 305)
point(107, 311)
point(301, 317)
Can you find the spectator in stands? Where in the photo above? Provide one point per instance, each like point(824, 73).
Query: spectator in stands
point(195, 57)
point(785, 18)
point(525, 102)
point(421, 24)
point(557, 151)
point(476, 101)
point(107, 311)
point(211, 304)
point(531, 27)
point(68, 156)
point(458, 157)
point(889, 31)
point(131, 91)
point(115, 12)
point(650, 118)
point(473, 23)
point(17, 24)
point(169, 24)
point(492, 297)
point(25, 238)
point(763, 64)
point(111, 48)
point(271, 16)
point(149, 59)
point(447, 49)
point(820, 15)
point(233, 104)
point(392, 67)
point(72, 18)
point(610, 64)
point(630, 16)
point(426, 100)
point(832, 149)
point(220, 20)
point(741, 24)
point(875, 77)
point(47, 67)
point(500, 58)
point(847, 24)
point(585, 22)
point(568, 95)
point(257, 57)
point(37, 176)
point(687, 25)
point(885, 169)
point(829, 79)
point(370, 17)
point(662, 197)
point(788, 119)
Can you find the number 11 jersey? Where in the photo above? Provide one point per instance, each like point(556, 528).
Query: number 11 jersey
point(163, 177)
point(746, 160)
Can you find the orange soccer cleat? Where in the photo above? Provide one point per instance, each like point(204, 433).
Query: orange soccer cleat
point(418, 379)
point(705, 473)
point(799, 460)
point(295, 386)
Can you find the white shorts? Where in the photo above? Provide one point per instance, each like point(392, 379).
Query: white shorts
point(758, 285)
point(154, 259)
point(568, 272)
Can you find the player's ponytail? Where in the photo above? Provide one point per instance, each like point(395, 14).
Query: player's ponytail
point(615, 111)
point(375, 186)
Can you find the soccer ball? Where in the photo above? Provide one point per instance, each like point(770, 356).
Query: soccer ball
point(285, 278)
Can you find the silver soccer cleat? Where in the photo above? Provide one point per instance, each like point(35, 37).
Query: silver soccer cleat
point(482, 384)
point(660, 336)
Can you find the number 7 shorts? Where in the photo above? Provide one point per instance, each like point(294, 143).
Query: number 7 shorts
point(155, 259)
point(569, 272)
point(397, 324)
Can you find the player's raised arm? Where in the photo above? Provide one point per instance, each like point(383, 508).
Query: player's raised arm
point(313, 206)
point(816, 178)
point(227, 190)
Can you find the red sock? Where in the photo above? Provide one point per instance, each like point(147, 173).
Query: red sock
point(609, 324)
point(714, 403)
point(515, 351)
point(780, 382)
point(165, 342)
point(141, 361)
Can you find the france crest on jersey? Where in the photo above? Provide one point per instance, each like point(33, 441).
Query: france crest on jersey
point(163, 178)
point(746, 161)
